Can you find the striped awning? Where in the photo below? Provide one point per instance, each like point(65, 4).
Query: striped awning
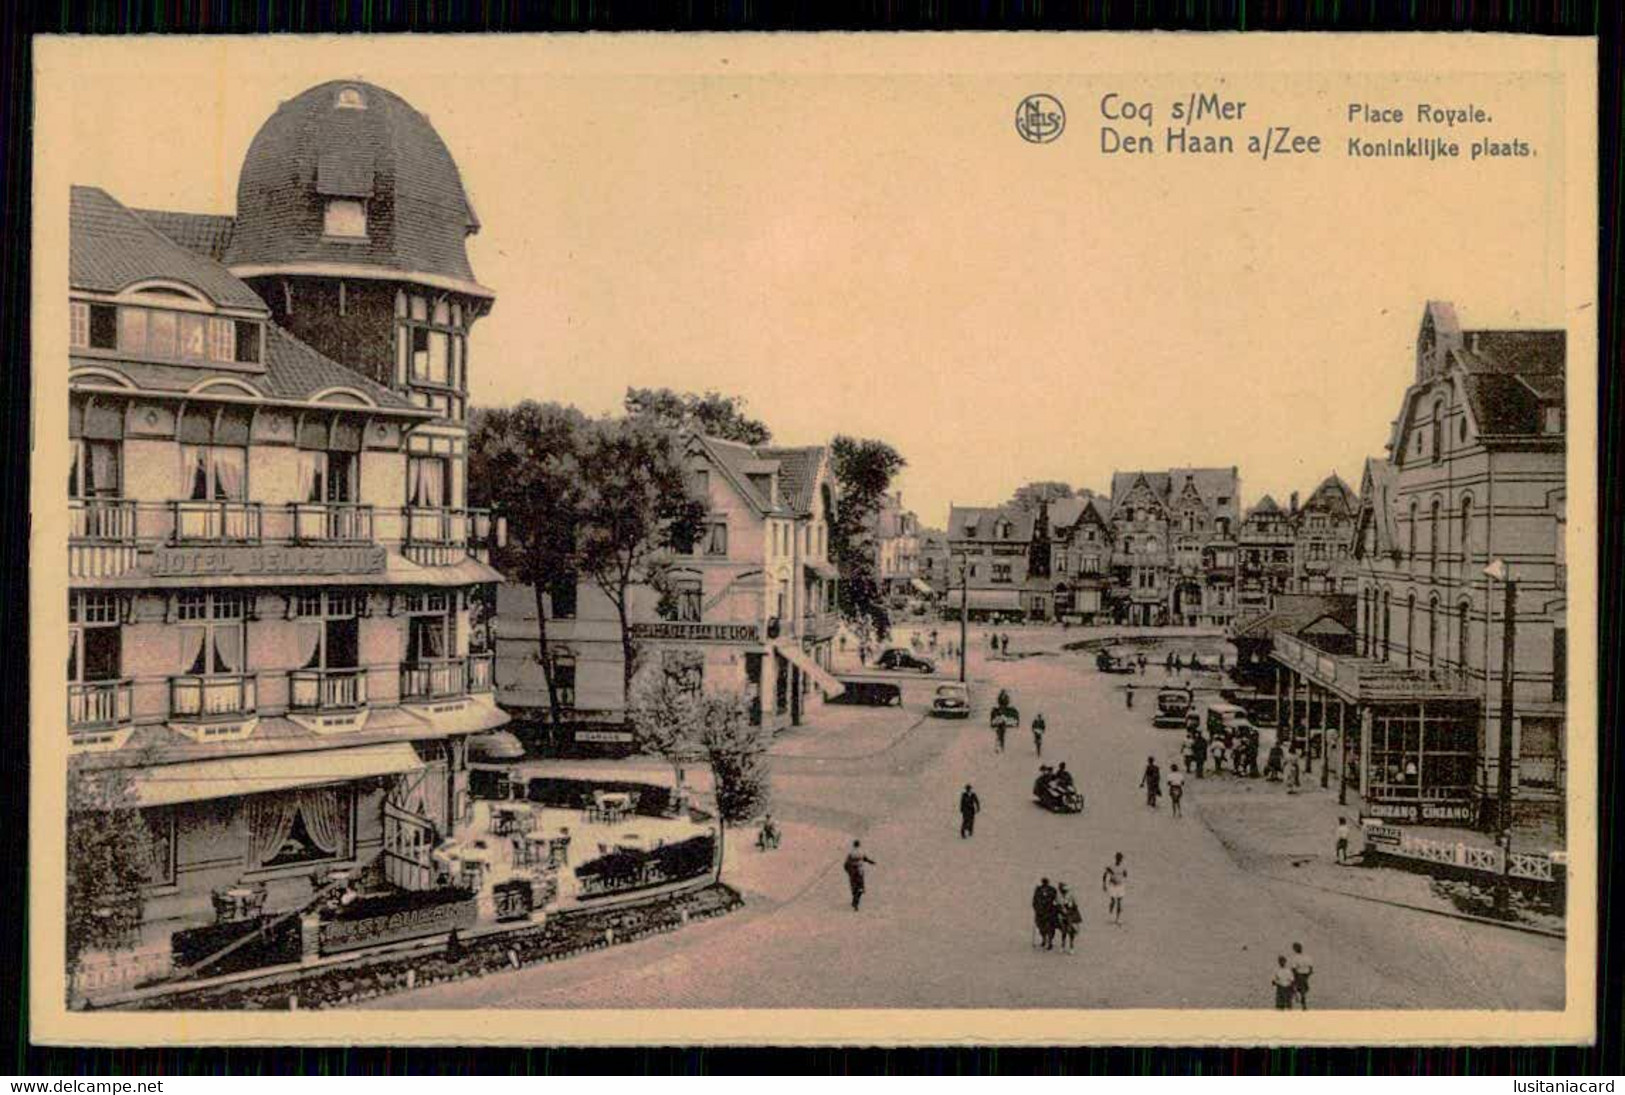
point(195, 781)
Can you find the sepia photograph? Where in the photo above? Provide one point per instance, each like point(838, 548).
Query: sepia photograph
point(847, 539)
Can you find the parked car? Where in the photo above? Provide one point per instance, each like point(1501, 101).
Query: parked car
point(870, 693)
point(952, 701)
point(1109, 662)
point(1173, 707)
point(898, 658)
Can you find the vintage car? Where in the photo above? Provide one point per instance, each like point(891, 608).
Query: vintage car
point(952, 701)
point(1173, 707)
point(869, 693)
point(898, 658)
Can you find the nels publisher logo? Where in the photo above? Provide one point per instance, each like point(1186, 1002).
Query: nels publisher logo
point(1040, 118)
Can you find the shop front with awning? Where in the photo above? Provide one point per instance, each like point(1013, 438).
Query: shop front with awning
point(982, 603)
point(273, 824)
point(803, 661)
point(1407, 738)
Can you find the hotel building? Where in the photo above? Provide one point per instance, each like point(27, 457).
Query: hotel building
point(271, 565)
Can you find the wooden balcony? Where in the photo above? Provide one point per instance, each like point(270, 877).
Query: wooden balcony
point(445, 678)
point(327, 689)
point(99, 705)
point(330, 522)
point(211, 522)
point(203, 699)
point(441, 536)
point(101, 520)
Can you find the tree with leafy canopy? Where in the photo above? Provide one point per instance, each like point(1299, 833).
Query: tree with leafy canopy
point(863, 470)
point(712, 414)
point(525, 463)
point(110, 860)
point(636, 509)
point(674, 717)
point(1034, 494)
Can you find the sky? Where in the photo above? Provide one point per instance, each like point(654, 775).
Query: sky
point(867, 247)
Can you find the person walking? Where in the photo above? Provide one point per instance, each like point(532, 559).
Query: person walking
point(1141, 660)
point(1284, 982)
point(969, 806)
point(1067, 919)
point(1301, 969)
point(993, 640)
point(1199, 752)
point(1044, 896)
point(1294, 772)
point(855, 860)
point(1168, 665)
point(1342, 840)
point(1179, 665)
point(1151, 780)
point(1176, 788)
point(1114, 880)
point(1004, 644)
point(1038, 733)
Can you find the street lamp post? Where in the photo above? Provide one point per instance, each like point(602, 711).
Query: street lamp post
point(964, 613)
point(1498, 570)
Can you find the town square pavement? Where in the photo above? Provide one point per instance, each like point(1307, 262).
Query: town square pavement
point(947, 922)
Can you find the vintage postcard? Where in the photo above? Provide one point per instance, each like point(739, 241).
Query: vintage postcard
point(814, 539)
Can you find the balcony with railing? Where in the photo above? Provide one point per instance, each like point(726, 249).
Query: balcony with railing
point(327, 689)
point(430, 679)
point(217, 522)
point(438, 536)
point(330, 522)
point(209, 698)
point(99, 705)
point(101, 520)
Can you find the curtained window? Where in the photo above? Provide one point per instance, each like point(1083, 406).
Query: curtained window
point(299, 827)
point(428, 639)
point(95, 469)
point(215, 472)
point(426, 482)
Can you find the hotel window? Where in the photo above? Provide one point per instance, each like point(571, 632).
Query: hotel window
point(1433, 535)
point(426, 482)
point(328, 476)
point(717, 542)
point(1433, 632)
point(103, 327)
point(330, 637)
point(682, 600)
point(431, 345)
point(345, 218)
point(702, 484)
point(1001, 572)
point(94, 637)
point(1552, 420)
point(184, 336)
point(431, 632)
point(1466, 529)
point(564, 678)
point(298, 828)
point(215, 472)
point(95, 469)
point(213, 634)
point(78, 324)
point(1410, 628)
point(1438, 429)
point(561, 597)
point(1411, 546)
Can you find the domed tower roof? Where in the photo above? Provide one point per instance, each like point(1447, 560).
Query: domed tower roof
point(335, 146)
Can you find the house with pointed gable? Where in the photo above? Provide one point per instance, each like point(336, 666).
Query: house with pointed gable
point(1080, 552)
point(1267, 554)
point(749, 608)
point(1323, 529)
point(1474, 473)
point(1175, 536)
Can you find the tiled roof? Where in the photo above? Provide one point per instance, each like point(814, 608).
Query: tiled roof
point(293, 372)
point(986, 518)
point(419, 215)
point(1265, 505)
point(110, 249)
point(798, 475)
point(206, 234)
point(1123, 482)
point(1334, 494)
point(1212, 484)
point(1378, 502)
point(1294, 613)
point(1064, 512)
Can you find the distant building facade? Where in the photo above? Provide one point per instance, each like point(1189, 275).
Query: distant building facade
point(751, 609)
point(896, 534)
point(1176, 539)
